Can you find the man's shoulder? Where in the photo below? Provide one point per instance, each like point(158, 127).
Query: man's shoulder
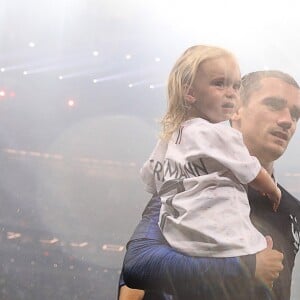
point(289, 202)
point(289, 198)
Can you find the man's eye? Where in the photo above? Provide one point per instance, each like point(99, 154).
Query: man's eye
point(295, 116)
point(276, 106)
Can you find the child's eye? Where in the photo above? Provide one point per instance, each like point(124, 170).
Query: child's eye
point(237, 86)
point(219, 83)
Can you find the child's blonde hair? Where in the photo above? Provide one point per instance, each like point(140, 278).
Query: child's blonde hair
point(181, 79)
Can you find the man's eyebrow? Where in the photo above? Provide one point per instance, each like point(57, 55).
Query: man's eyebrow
point(281, 102)
point(274, 99)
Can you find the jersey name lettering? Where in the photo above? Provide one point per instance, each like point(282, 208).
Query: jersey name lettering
point(175, 170)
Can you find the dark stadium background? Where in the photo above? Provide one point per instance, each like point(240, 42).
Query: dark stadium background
point(82, 87)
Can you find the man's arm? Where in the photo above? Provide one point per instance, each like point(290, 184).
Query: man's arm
point(151, 264)
point(132, 294)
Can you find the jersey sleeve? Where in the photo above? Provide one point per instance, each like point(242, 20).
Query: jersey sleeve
point(152, 170)
point(147, 177)
point(151, 264)
point(225, 145)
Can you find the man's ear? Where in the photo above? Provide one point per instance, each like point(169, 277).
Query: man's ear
point(236, 117)
point(189, 94)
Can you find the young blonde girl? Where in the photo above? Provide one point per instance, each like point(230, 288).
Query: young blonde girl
point(200, 167)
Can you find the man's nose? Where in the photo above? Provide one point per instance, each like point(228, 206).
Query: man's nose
point(285, 119)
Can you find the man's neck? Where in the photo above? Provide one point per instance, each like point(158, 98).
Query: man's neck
point(269, 167)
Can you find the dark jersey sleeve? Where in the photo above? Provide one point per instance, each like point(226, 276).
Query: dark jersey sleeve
point(151, 264)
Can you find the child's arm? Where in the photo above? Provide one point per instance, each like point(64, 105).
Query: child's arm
point(265, 184)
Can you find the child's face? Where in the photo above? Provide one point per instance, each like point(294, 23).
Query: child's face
point(215, 92)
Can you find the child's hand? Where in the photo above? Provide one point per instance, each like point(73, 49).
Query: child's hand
point(275, 198)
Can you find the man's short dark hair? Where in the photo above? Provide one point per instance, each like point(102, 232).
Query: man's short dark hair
point(252, 82)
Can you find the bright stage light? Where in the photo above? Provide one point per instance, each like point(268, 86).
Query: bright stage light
point(2, 93)
point(71, 103)
point(31, 44)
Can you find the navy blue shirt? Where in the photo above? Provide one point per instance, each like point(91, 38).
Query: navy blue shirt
point(283, 227)
point(152, 265)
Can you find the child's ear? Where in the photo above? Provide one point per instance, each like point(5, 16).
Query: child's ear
point(189, 95)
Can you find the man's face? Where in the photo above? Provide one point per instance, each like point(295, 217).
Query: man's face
point(269, 120)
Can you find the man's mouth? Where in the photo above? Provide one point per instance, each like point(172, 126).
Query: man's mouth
point(281, 135)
